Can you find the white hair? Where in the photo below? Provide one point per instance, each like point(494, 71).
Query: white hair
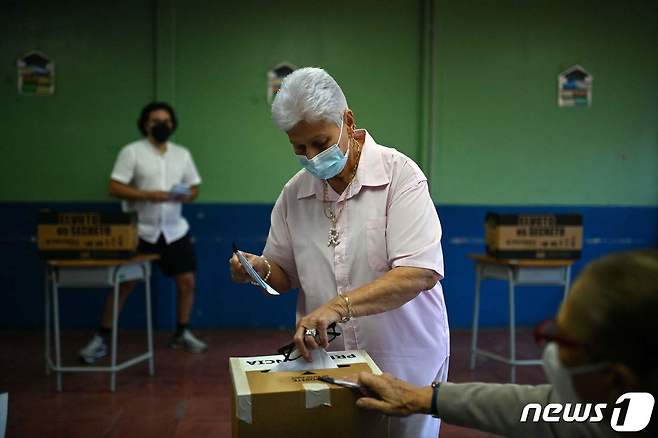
point(308, 94)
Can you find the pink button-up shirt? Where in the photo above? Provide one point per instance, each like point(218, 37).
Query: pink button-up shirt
point(386, 219)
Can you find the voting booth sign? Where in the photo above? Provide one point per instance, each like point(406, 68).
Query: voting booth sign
point(84, 235)
point(534, 236)
point(297, 403)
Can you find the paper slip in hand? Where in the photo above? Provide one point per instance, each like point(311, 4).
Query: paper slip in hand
point(252, 272)
point(320, 360)
point(179, 191)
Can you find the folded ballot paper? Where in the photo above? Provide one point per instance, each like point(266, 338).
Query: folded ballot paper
point(252, 272)
point(271, 399)
point(320, 359)
point(179, 190)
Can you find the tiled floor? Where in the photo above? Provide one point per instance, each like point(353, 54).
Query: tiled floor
point(189, 394)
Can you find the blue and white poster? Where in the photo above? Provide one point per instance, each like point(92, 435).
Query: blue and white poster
point(574, 88)
point(36, 74)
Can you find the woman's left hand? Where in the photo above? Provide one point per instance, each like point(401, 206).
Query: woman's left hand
point(319, 319)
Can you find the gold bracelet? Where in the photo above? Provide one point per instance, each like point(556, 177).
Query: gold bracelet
point(269, 271)
point(269, 268)
point(350, 314)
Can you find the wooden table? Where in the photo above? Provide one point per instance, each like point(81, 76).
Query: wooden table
point(516, 272)
point(96, 273)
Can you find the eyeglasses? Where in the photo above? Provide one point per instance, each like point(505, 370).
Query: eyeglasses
point(290, 353)
point(548, 331)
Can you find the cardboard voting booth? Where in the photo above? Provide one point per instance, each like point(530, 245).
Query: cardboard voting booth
point(534, 236)
point(84, 235)
point(296, 403)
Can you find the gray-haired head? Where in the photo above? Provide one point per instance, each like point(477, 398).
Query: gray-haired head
point(615, 303)
point(308, 94)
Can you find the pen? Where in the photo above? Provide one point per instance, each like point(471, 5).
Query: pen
point(339, 382)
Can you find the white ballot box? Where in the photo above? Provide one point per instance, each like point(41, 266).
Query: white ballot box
point(296, 403)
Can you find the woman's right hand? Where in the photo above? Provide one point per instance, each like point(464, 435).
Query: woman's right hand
point(238, 273)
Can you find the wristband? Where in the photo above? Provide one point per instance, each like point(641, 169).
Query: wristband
point(269, 271)
point(269, 268)
point(434, 408)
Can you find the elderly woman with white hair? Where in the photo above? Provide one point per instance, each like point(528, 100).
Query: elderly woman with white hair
point(357, 232)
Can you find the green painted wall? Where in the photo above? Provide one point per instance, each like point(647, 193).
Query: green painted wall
point(500, 137)
point(222, 57)
point(210, 59)
point(62, 147)
point(503, 139)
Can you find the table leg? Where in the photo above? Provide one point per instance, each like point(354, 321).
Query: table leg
point(567, 282)
point(46, 289)
point(58, 353)
point(115, 319)
point(512, 326)
point(476, 316)
point(149, 325)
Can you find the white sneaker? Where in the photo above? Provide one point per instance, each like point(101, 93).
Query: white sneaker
point(95, 349)
point(188, 342)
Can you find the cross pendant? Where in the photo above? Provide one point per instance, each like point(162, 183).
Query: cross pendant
point(333, 238)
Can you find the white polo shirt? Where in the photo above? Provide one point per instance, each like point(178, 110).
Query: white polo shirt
point(142, 166)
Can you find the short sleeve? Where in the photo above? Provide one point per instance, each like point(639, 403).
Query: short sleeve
point(191, 175)
point(413, 230)
point(278, 247)
point(124, 166)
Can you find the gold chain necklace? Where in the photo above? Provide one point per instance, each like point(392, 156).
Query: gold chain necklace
point(328, 211)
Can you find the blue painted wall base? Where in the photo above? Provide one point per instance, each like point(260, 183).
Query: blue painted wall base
point(222, 304)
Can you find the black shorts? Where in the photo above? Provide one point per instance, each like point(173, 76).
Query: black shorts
point(177, 257)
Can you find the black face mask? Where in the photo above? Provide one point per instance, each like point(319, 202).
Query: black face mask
point(161, 132)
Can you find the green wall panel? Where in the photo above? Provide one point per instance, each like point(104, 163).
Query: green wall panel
point(502, 138)
point(224, 53)
point(62, 147)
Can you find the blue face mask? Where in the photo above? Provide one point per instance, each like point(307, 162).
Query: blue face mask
point(328, 163)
